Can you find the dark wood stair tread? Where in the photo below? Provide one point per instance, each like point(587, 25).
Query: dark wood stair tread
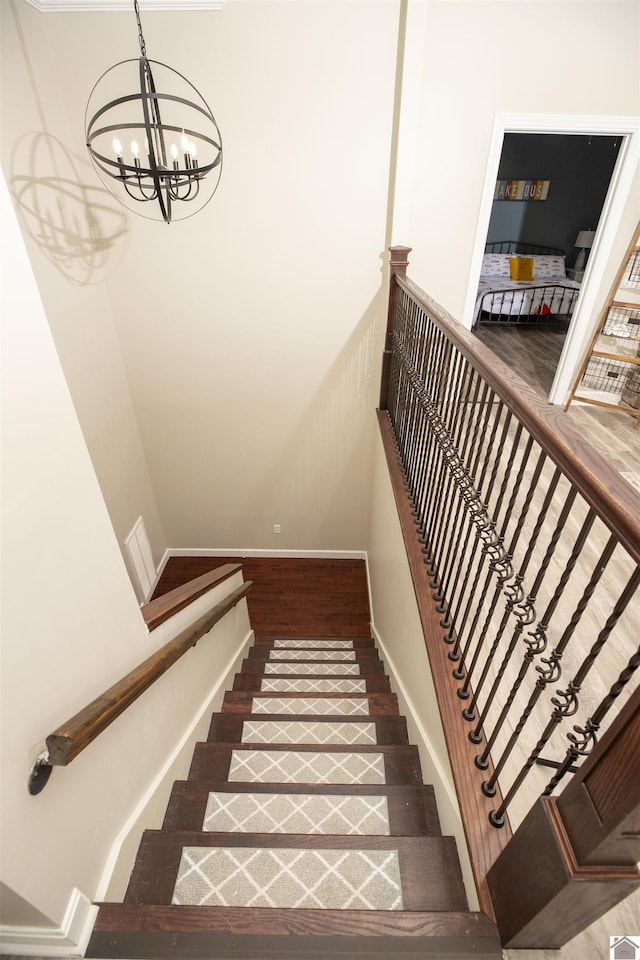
point(228, 727)
point(257, 665)
point(321, 643)
point(378, 704)
point(250, 682)
point(263, 652)
point(221, 933)
point(211, 761)
point(412, 810)
point(429, 867)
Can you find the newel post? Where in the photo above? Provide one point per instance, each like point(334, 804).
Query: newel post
point(574, 856)
point(398, 265)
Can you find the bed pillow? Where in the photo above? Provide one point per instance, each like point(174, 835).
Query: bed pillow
point(549, 266)
point(521, 268)
point(495, 265)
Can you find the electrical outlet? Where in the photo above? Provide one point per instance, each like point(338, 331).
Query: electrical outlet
point(276, 528)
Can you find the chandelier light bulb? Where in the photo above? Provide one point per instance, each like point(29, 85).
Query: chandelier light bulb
point(146, 99)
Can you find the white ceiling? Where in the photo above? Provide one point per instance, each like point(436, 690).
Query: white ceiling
point(66, 6)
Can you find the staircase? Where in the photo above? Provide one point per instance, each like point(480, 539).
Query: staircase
point(304, 829)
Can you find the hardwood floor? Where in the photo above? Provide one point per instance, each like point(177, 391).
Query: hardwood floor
point(291, 598)
point(533, 353)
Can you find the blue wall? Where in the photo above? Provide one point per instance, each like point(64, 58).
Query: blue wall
point(579, 168)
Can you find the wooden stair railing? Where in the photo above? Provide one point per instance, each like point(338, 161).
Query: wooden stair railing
point(73, 736)
point(579, 852)
point(157, 611)
point(489, 481)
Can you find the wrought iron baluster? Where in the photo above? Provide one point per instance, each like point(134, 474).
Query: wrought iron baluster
point(551, 674)
point(583, 740)
point(500, 565)
point(454, 654)
point(460, 524)
point(491, 545)
point(514, 595)
point(539, 645)
point(536, 642)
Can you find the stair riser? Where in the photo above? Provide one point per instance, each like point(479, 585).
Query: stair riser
point(221, 934)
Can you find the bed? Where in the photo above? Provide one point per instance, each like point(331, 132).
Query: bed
point(524, 283)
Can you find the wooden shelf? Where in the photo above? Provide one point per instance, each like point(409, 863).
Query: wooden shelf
point(610, 374)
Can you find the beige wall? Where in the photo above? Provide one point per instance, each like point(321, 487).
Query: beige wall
point(74, 243)
point(71, 626)
point(481, 58)
point(233, 353)
point(261, 312)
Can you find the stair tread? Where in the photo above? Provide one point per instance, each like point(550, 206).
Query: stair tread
point(411, 809)
point(253, 683)
point(218, 933)
point(297, 643)
point(265, 652)
point(373, 704)
point(240, 728)
point(430, 872)
point(401, 762)
point(324, 668)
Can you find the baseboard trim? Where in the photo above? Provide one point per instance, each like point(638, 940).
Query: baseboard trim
point(252, 552)
point(68, 940)
point(422, 733)
point(166, 773)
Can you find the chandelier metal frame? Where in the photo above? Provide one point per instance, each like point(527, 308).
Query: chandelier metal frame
point(168, 175)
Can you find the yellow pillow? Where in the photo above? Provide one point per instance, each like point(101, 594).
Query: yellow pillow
point(521, 268)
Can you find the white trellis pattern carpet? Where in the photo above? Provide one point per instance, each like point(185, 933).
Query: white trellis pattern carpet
point(267, 731)
point(296, 813)
point(293, 878)
point(289, 766)
point(319, 706)
point(311, 685)
point(332, 669)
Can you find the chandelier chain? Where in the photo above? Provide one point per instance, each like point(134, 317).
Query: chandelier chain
point(143, 49)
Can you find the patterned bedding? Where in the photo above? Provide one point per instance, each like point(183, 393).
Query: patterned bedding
point(550, 294)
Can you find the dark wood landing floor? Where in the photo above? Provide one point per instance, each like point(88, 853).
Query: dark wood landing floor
point(291, 597)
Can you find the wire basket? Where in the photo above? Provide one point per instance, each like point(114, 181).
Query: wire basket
point(623, 322)
point(632, 270)
point(606, 375)
point(631, 389)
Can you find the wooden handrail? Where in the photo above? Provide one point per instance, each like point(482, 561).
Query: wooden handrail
point(612, 497)
point(65, 743)
point(157, 611)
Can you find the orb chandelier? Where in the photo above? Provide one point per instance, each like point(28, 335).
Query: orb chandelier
point(157, 149)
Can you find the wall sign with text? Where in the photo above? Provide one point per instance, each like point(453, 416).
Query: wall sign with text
point(521, 189)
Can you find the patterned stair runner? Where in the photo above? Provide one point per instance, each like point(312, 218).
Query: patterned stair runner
point(303, 830)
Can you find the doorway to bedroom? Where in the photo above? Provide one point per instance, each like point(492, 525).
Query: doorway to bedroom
point(558, 129)
point(549, 197)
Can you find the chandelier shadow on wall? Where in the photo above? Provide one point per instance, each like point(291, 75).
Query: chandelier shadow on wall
point(157, 149)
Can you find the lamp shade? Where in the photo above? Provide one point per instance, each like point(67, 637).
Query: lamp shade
point(584, 240)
